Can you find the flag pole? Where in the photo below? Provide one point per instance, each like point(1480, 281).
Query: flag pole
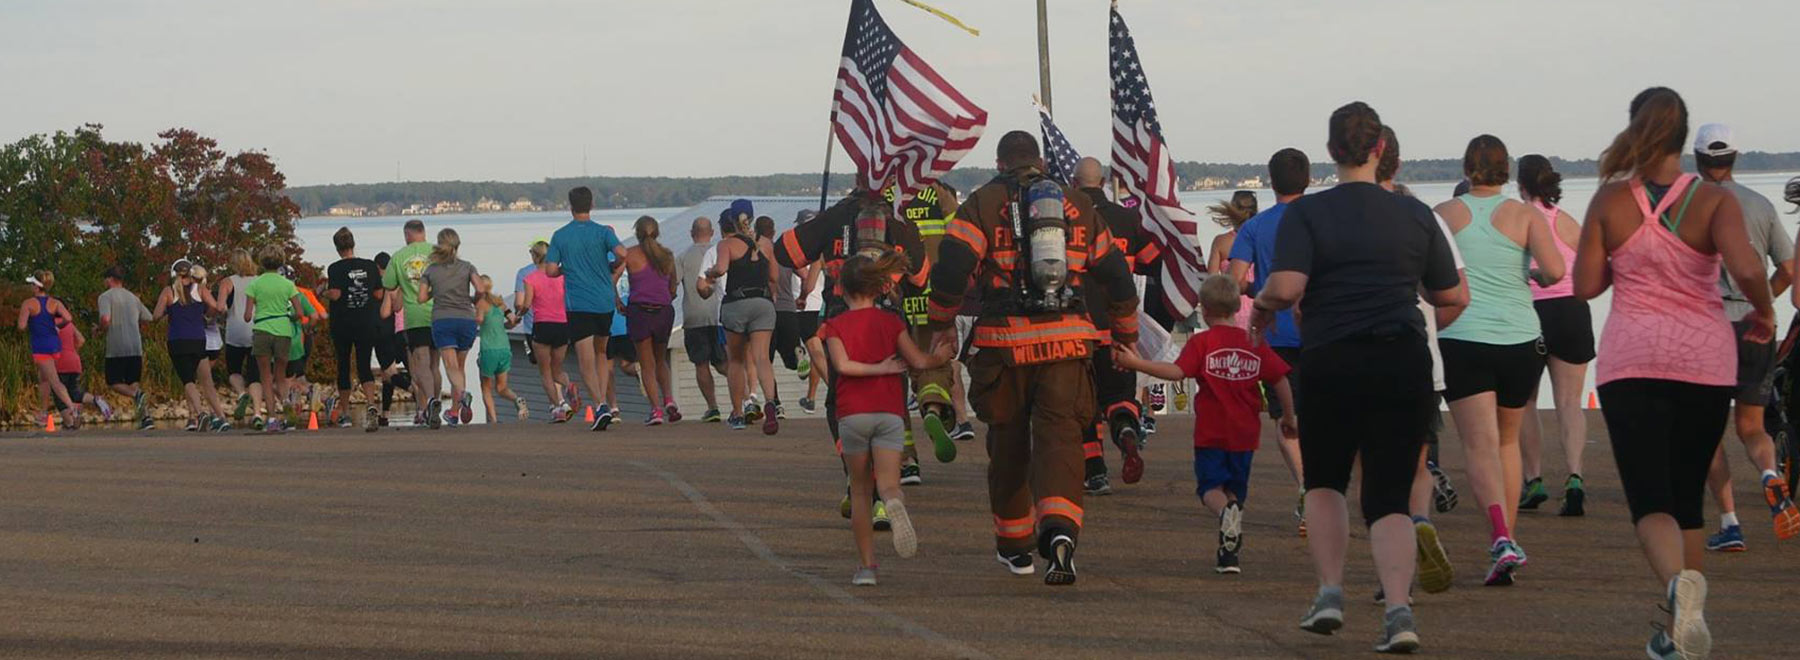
point(1043, 25)
point(830, 141)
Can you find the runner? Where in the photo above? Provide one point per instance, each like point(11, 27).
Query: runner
point(871, 348)
point(355, 293)
point(240, 368)
point(186, 302)
point(1568, 330)
point(1252, 258)
point(583, 253)
point(390, 343)
point(39, 317)
point(1494, 353)
point(701, 336)
point(1360, 256)
point(68, 370)
point(748, 315)
point(651, 318)
point(541, 298)
point(494, 362)
point(809, 304)
point(1231, 215)
point(273, 305)
point(1115, 406)
point(301, 390)
point(446, 284)
point(1231, 370)
point(402, 278)
point(788, 344)
point(1715, 154)
point(122, 316)
point(1666, 368)
point(621, 354)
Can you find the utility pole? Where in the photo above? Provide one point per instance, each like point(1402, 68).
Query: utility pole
point(1044, 54)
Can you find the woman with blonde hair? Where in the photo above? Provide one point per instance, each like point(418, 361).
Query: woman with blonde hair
point(494, 362)
point(1230, 214)
point(186, 302)
point(40, 317)
point(542, 296)
point(240, 368)
point(650, 318)
point(447, 283)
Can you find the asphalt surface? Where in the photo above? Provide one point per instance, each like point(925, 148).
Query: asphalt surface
point(692, 541)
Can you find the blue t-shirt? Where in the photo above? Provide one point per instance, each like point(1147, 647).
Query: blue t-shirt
point(619, 329)
point(519, 288)
point(584, 248)
point(1256, 244)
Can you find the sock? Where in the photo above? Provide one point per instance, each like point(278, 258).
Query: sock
point(1728, 520)
point(1497, 520)
point(1769, 474)
point(1421, 519)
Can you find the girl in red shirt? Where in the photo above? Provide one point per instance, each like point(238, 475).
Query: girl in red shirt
point(869, 347)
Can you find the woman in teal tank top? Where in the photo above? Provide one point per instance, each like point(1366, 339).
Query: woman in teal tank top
point(1493, 353)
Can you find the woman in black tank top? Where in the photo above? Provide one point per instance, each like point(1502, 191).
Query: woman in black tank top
point(746, 276)
point(748, 316)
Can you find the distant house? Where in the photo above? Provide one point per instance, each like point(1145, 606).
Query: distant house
point(449, 207)
point(347, 210)
point(485, 205)
point(416, 208)
point(1251, 183)
point(387, 209)
point(523, 205)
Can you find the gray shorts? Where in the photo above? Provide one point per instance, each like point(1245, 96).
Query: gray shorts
point(858, 433)
point(1755, 369)
point(748, 315)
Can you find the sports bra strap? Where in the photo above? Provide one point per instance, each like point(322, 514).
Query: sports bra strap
point(1682, 184)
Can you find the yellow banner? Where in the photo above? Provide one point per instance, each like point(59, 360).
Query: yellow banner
point(940, 14)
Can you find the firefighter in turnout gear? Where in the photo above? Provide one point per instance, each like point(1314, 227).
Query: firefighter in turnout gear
point(861, 221)
point(929, 212)
point(1031, 246)
point(1115, 389)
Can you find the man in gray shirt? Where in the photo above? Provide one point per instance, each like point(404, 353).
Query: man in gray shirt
point(122, 315)
point(701, 334)
point(1715, 152)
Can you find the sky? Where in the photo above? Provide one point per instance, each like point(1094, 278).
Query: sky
point(355, 91)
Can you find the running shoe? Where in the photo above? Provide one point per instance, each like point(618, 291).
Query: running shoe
point(807, 406)
point(1097, 485)
point(1398, 635)
point(216, 424)
point(255, 422)
point(433, 419)
point(224, 425)
point(243, 405)
point(1126, 438)
point(371, 419)
point(1149, 426)
point(864, 577)
point(879, 515)
point(654, 419)
point(559, 415)
point(106, 411)
point(1787, 518)
point(736, 423)
point(572, 398)
point(1729, 539)
point(142, 403)
point(941, 445)
point(906, 540)
point(1435, 573)
point(1227, 562)
point(910, 475)
point(1687, 608)
point(711, 416)
point(344, 421)
point(273, 426)
point(193, 425)
point(844, 504)
point(912, 403)
point(1507, 558)
point(1443, 495)
point(1574, 498)
point(964, 432)
point(602, 420)
point(771, 418)
point(1661, 647)
point(1231, 538)
point(780, 411)
point(1326, 615)
point(1060, 570)
point(468, 407)
point(671, 411)
point(1157, 399)
point(146, 423)
point(1533, 494)
point(384, 421)
point(1018, 563)
point(419, 416)
point(752, 412)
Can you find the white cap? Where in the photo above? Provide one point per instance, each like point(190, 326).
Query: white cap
point(1714, 140)
point(33, 280)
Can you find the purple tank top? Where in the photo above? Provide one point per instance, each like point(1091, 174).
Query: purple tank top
point(187, 319)
point(649, 287)
point(42, 327)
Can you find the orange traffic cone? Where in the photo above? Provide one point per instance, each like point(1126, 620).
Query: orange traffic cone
point(1593, 401)
point(589, 416)
point(312, 421)
point(50, 422)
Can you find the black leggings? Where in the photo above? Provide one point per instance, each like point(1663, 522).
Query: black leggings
point(787, 344)
point(356, 344)
point(1367, 397)
point(1663, 435)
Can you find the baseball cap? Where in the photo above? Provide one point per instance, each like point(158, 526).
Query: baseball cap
point(740, 206)
point(181, 267)
point(1714, 140)
point(33, 280)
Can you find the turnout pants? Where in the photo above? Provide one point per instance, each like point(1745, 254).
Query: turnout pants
point(1034, 415)
point(931, 386)
point(1115, 393)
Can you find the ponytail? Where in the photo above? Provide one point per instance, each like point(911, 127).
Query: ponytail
point(661, 259)
point(1539, 180)
point(1658, 128)
point(448, 242)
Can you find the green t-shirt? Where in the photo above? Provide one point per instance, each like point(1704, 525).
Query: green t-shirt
point(493, 331)
point(274, 296)
point(404, 273)
point(297, 349)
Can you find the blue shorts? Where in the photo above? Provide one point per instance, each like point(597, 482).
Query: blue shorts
point(453, 333)
point(1218, 468)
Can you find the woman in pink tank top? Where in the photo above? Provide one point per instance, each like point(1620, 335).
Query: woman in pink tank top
point(1568, 344)
point(543, 297)
point(1668, 358)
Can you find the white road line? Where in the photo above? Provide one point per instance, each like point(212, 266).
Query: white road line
point(832, 591)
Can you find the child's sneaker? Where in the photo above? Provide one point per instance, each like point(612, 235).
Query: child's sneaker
point(1231, 537)
point(864, 577)
point(1227, 562)
point(906, 541)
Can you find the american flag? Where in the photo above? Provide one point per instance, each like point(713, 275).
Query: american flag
point(894, 115)
point(1061, 156)
point(1141, 160)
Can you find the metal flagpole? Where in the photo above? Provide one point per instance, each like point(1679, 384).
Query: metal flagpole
point(1044, 55)
point(830, 141)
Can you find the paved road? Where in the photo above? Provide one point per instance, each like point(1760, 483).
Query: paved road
point(692, 541)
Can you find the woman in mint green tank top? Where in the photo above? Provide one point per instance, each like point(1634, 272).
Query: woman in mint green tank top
point(1494, 352)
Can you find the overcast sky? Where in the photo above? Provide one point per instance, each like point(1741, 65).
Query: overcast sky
point(517, 90)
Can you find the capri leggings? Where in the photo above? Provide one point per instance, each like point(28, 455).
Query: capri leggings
point(1663, 435)
point(1367, 397)
point(353, 347)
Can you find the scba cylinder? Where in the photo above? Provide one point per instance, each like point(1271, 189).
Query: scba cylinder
point(1049, 231)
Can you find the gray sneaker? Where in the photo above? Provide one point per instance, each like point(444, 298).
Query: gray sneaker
point(1687, 604)
point(1398, 634)
point(1326, 615)
point(1661, 647)
point(865, 577)
point(906, 541)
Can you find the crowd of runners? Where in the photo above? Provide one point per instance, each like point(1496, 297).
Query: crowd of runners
point(1347, 315)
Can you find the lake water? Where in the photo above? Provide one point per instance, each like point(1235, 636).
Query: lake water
point(497, 243)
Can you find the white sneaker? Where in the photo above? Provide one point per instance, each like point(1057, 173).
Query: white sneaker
point(1687, 606)
point(906, 541)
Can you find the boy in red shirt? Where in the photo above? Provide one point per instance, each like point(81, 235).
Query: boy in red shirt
point(1229, 368)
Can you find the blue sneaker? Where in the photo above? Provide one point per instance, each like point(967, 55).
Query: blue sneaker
point(736, 423)
point(1729, 539)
